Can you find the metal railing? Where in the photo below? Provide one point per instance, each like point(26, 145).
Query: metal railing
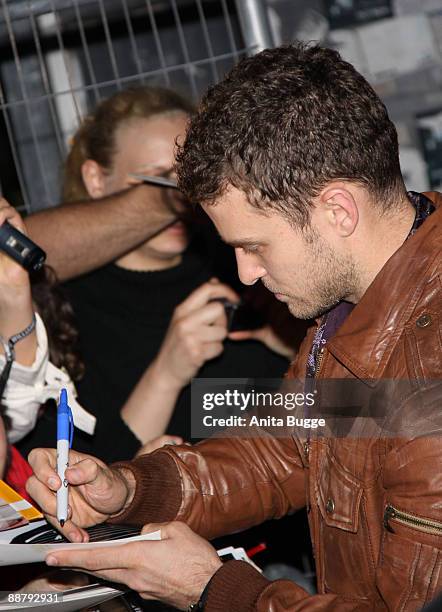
point(60, 57)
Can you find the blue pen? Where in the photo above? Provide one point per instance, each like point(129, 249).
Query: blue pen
point(65, 432)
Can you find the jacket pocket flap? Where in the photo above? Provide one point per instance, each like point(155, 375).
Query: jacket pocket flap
point(339, 496)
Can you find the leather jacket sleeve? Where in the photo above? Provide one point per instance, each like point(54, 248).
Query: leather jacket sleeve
point(238, 586)
point(218, 486)
point(408, 567)
point(224, 485)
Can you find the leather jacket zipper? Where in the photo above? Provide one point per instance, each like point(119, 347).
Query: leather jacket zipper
point(306, 444)
point(410, 520)
point(319, 361)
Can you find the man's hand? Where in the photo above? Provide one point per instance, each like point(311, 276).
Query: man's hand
point(195, 334)
point(96, 491)
point(174, 570)
point(81, 236)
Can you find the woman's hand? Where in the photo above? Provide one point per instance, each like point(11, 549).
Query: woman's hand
point(60, 580)
point(16, 309)
point(195, 334)
point(14, 280)
point(157, 443)
point(267, 336)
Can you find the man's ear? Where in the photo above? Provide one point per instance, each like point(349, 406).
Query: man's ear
point(93, 178)
point(339, 205)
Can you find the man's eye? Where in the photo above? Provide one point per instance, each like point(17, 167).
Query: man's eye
point(250, 249)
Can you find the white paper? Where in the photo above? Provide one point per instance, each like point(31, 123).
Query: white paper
point(239, 554)
point(13, 554)
point(78, 598)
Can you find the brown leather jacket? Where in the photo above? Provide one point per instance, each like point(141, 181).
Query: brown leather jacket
point(374, 504)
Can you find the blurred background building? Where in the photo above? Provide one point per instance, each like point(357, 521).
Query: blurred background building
point(59, 57)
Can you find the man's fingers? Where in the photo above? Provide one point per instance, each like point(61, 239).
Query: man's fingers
point(44, 497)
point(84, 472)
point(70, 530)
point(47, 500)
point(43, 462)
point(121, 576)
point(117, 556)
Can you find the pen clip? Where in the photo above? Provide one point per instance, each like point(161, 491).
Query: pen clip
point(71, 426)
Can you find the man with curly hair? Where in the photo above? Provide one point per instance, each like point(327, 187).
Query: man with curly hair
point(295, 160)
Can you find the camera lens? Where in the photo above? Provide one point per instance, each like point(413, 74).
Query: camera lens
point(34, 260)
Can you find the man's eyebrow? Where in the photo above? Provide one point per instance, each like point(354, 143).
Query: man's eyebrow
point(242, 242)
point(238, 242)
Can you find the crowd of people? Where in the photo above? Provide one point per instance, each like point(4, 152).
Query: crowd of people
point(294, 159)
point(133, 332)
point(124, 334)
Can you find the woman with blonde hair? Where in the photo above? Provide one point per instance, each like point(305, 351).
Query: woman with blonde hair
point(152, 320)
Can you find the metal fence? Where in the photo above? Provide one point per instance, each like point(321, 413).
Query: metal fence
point(60, 57)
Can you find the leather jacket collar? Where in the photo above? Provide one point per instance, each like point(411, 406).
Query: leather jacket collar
point(365, 341)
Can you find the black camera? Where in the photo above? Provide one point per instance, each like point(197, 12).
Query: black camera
point(241, 316)
point(20, 248)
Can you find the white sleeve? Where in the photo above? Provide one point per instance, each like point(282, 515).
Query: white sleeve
point(29, 387)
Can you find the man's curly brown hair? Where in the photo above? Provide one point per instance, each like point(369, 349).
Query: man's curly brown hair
point(281, 125)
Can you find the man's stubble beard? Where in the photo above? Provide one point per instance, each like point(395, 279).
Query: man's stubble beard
point(336, 278)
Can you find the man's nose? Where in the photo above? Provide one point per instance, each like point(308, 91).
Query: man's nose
point(249, 268)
